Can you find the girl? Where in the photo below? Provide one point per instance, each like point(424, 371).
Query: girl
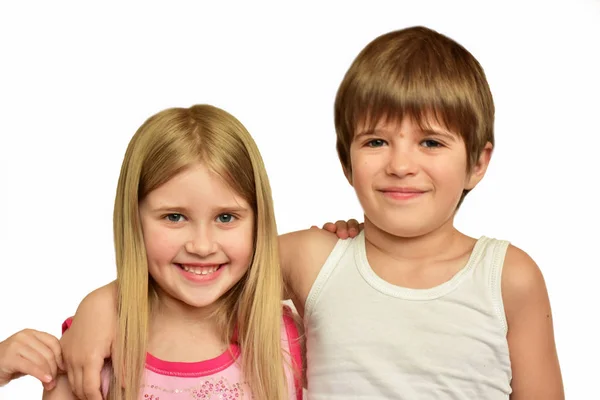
point(412, 307)
point(198, 277)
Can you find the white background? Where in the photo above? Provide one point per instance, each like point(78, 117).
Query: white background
point(77, 80)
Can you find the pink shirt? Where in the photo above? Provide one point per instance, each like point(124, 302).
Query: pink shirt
point(218, 378)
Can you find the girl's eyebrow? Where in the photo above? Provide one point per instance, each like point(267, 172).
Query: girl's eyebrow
point(234, 208)
point(171, 209)
point(237, 209)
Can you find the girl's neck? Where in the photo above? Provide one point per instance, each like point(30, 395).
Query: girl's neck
point(172, 311)
point(179, 332)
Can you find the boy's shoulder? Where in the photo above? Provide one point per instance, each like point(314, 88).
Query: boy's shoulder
point(522, 281)
point(520, 272)
point(309, 245)
point(303, 253)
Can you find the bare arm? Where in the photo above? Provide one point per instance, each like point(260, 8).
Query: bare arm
point(535, 366)
point(293, 244)
point(89, 341)
point(62, 391)
point(302, 255)
point(30, 352)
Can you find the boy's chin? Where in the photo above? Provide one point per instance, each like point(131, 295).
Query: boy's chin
point(404, 229)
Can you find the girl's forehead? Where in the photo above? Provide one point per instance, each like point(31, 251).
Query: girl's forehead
point(196, 187)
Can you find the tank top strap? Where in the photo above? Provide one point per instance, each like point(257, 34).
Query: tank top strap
point(489, 273)
point(327, 269)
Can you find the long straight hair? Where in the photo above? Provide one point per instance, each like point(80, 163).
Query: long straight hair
point(165, 145)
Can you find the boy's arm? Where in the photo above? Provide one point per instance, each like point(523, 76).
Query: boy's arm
point(62, 391)
point(535, 368)
point(88, 342)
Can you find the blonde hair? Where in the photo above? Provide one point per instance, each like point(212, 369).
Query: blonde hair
point(163, 146)
point(417, 73)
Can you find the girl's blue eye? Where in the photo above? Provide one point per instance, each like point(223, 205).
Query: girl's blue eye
point(376, 143)
point(431, 143)
point(225, 218)
point(174, 217)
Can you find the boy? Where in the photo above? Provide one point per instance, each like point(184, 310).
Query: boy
point(410, 308)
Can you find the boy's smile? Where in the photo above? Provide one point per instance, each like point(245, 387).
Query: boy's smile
point(402, 192)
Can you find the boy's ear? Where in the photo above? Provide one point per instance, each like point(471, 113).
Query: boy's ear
point(478, 170)
point(347, 174)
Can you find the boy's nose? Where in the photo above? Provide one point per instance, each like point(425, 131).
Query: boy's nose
point(401, 163)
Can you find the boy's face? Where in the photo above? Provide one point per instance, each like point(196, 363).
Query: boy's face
point(408, 180)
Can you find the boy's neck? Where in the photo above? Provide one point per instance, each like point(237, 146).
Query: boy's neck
point(435, 245)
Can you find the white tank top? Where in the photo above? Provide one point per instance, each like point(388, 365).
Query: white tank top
point(369, 339)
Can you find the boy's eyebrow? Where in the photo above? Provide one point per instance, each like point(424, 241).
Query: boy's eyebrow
point(366, 132)
point(424, 132)
point(438, 132)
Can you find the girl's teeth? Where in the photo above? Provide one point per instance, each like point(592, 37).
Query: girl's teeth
point(200, 270)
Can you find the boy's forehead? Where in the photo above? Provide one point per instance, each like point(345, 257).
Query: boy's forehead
point(425, 122)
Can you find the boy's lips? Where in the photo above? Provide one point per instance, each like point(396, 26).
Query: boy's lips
point(402, 189)
point(402, 192)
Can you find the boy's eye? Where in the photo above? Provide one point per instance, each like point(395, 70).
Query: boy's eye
point(225, 218)
point(174, 217)
point(376, 143)
point(431, 143)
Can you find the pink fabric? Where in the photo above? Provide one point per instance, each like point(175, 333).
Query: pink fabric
point(194, 369)
point(293, 339)
point(67, 324)
point(218, 378)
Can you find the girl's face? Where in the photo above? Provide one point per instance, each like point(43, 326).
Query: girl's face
point(198, 235)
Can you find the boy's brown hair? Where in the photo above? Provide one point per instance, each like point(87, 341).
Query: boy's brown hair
point(415, 72)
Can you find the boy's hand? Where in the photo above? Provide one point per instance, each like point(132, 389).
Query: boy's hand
point(88, 342)
point(30, 352)
point(343, 229)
